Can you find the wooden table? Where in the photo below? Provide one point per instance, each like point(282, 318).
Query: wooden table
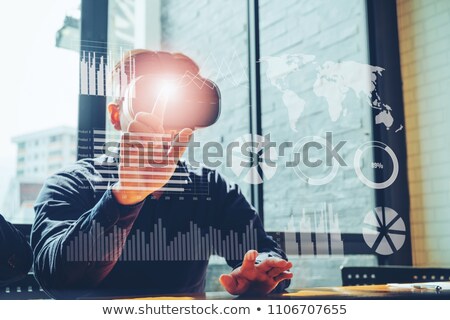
point(325, 293)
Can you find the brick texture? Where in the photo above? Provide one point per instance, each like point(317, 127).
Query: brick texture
point(424, 31)
point(214, 33)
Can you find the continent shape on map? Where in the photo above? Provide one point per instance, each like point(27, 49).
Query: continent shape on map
point(335, 79)
point(277, 70)
point(333, 82)
point(384, 116)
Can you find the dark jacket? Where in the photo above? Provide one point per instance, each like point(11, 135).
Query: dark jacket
point(86, 243)
point(15, 253)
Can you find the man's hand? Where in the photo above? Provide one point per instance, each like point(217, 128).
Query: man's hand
point(147, 158)
point(255, 278)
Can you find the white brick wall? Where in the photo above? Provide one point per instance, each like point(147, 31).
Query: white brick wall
point(331, 30)
point(214, 34)
point(424, 32)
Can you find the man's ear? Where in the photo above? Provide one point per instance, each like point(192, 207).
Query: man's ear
point(114, 115)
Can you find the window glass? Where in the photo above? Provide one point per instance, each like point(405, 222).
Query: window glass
point(42, 99)
point(306, 49)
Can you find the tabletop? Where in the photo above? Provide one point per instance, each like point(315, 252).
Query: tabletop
point(383, 291)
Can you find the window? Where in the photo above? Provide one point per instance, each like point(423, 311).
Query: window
point(314, 211)
point(275, 65)
point(55, 138)
point(302, 198)
point(54, 153)
point(291, 108)
point(43, 97)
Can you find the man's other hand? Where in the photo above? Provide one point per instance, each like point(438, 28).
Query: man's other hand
point(255, 278)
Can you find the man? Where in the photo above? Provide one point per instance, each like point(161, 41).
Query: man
point(15, 254)
point(75, 216)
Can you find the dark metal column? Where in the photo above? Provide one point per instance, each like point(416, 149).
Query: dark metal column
point(255, 94)
point(384, 52)
point(91, 109)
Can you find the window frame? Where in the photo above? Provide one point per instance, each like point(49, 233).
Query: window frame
point(384, 50)
point(91, 109)
point(381, 20)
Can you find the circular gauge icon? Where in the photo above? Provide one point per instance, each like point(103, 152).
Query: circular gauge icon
point(357, 163)
point(315, 172)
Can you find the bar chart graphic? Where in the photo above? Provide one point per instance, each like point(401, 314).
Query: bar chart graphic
point(319, 233)
point(107, 143)
point(194, 245)
point(98, 76)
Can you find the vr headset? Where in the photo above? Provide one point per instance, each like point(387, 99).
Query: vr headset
point(181, 101)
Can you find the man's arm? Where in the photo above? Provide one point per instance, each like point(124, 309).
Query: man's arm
point(66, 208)
point(15, 253)
point(236, 214)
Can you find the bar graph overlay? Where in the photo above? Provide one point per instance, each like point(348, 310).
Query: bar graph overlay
point(98, 76)
point(107, 143)
point(319, 233)
point(154, 245)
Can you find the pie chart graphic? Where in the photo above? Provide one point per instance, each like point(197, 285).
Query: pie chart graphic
point(384, 231)
point(254, 160)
